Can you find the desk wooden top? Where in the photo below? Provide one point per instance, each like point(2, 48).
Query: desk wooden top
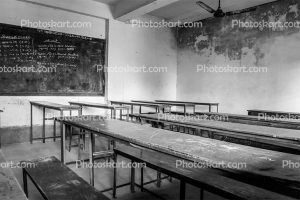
point(189, 102)
point(273, 111)
point(10, 189)
point(152, 104)
point(97, 105)
point(166, 103)
point(54, 106)
point(261, 165)
point(228, 126)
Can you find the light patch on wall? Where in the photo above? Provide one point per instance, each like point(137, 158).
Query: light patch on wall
point(294, 9)
point(199, 40)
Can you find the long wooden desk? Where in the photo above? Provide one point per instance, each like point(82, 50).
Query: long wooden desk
point(112, 108)
point(183, 105)
point(10, 189)
point(263, 168)
point(257, 112)
point(157, 106)
point(283, 139)
point(253, 120)
point(52, 106)
point(210, 105)
point(0, 128)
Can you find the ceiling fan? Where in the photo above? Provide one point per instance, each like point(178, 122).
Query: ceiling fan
point(219, 12)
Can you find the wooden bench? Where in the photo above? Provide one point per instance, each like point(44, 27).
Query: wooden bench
point(55, 181)
point(212, 180)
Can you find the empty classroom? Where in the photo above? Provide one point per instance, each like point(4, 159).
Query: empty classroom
point(149, 99)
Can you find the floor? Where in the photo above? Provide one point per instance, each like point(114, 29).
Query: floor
point(103, 176)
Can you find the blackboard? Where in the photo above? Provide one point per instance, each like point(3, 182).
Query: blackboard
point(40, 62)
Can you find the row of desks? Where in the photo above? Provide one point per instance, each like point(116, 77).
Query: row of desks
point(74, 106)
point(287, 140)
point(264, 168)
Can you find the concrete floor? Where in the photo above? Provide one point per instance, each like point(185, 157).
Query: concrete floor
point(103, 177)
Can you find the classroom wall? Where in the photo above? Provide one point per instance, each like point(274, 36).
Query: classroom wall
point(219, 44)
point(127, 46)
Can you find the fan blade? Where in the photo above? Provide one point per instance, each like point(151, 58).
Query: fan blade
point(241, 11)
point(206, 7)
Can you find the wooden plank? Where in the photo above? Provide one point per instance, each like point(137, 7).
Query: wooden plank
point(209, 179)
point(54, 106)
point(189, 102)
point(165, 103)
point(10, 189)
point(263, 166)
point(97, 105)
point(58, 182)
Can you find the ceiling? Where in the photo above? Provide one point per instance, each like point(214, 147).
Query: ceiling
point(173, 10)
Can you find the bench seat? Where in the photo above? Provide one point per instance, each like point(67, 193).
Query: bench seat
point(55, 181)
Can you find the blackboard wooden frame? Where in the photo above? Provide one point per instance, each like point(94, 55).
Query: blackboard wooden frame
point(103, 75)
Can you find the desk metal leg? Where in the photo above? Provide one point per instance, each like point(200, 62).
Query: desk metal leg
point(91, 152)
point(44, 124)
point(184, 109)
point(54, 130)
point(25, 183)
point(201, 194)
point(115, 177)
point(209, 108)
point(182, 190)
point(132, 179)
point(63, 143)
point(140, 111)
point(217, 108)
point(31, 125)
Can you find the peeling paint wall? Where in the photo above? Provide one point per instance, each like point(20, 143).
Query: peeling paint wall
point(220, 45)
